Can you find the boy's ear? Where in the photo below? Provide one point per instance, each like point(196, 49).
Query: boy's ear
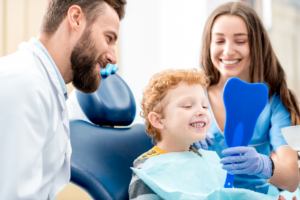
point(155, 120)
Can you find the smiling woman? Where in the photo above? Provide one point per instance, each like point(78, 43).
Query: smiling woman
point(236, 44)
point(230, 52)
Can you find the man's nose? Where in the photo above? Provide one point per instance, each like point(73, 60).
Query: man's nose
point(111, 56)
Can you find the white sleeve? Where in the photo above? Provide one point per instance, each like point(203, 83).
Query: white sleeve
point(24, 117)
point(74, 109)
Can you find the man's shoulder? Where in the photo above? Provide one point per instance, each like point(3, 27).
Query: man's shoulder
point(22, 60)
point(22, 82)
point(22, 68)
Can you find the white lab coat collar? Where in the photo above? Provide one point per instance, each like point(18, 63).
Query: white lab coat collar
point(47, 64)
point(49, 68)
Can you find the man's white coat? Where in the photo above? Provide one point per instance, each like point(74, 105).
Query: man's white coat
point(35, 145)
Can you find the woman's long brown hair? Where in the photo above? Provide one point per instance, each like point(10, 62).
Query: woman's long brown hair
point(264, 66)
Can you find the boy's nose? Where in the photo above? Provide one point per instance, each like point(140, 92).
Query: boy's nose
point(199, 112)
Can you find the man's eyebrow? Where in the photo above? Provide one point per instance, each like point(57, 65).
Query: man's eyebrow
point(237, 34)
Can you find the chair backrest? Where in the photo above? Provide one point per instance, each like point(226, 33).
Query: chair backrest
point(102, 156)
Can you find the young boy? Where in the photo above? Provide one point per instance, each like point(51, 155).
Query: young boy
point(176, 115)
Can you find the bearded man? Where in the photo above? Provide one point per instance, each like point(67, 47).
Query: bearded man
point(75, 41)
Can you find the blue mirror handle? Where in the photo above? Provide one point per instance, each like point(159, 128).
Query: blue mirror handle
point(229, 181)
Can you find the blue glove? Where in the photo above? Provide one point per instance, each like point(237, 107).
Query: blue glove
point(110, 69)
point(246, 160)
point(204, 143)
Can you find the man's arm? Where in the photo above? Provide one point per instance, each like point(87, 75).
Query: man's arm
point(23, 132)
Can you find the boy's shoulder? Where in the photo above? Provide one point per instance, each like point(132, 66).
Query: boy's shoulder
point(155, 151)
point(152, 152)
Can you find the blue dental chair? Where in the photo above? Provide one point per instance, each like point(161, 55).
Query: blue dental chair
point(102, 153)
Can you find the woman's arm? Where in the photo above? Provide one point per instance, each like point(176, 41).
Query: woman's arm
point(286, 174)
point(246, 160)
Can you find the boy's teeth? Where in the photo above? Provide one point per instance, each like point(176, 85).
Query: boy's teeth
point(230, 62)
point(198, 125)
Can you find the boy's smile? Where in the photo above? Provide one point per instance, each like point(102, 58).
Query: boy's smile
point(198, 125)
point(187, 118)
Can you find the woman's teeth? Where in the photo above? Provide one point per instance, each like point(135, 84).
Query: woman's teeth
point(230, 62)
point(198, 125)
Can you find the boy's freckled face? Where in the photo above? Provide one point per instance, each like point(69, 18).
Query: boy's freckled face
point(187, 117)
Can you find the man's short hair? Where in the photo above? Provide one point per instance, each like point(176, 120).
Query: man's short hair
point(158, 88)
point(56, 11)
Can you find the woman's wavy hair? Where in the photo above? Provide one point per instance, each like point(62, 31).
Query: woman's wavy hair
point(157, 89)
point(264, 66)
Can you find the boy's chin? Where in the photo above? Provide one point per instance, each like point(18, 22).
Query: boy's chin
point(198, 139)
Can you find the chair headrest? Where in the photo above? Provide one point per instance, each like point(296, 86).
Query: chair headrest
point(112, 104)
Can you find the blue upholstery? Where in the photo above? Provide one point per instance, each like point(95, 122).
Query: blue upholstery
point(102, 156)
point(112, 104)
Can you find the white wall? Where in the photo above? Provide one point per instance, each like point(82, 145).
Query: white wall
point(158, 35)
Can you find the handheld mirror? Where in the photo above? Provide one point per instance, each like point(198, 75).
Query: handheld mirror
point(243, 104)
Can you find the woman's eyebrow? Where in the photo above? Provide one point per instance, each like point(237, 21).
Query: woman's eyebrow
point(237, 34)
point(240, 34)
point(219, 34)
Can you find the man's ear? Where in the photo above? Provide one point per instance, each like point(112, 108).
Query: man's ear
point(76, 17)
point(155, 120)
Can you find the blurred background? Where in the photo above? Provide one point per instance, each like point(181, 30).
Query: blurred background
point(161, 34)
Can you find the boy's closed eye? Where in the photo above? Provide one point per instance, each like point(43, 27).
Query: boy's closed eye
point(186, 106)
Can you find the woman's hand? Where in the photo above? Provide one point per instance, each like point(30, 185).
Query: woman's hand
point(246, 160)
point(110, 69)
point(281, 197)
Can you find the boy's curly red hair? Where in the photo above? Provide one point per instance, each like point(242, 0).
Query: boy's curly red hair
point(157, 89)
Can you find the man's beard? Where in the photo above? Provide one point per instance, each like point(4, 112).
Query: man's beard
point(84, 61)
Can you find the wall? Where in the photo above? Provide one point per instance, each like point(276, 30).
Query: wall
point(285, 38)
point(158, 35)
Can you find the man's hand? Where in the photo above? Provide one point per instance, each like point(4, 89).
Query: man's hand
point(110, 69)
point(204, 143)
point(246, 160)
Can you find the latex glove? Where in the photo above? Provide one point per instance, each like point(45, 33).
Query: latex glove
point(110, 69)
point(204, 143)
point(246, 160)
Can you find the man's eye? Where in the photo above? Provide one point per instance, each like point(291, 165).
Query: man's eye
point(109, 38)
